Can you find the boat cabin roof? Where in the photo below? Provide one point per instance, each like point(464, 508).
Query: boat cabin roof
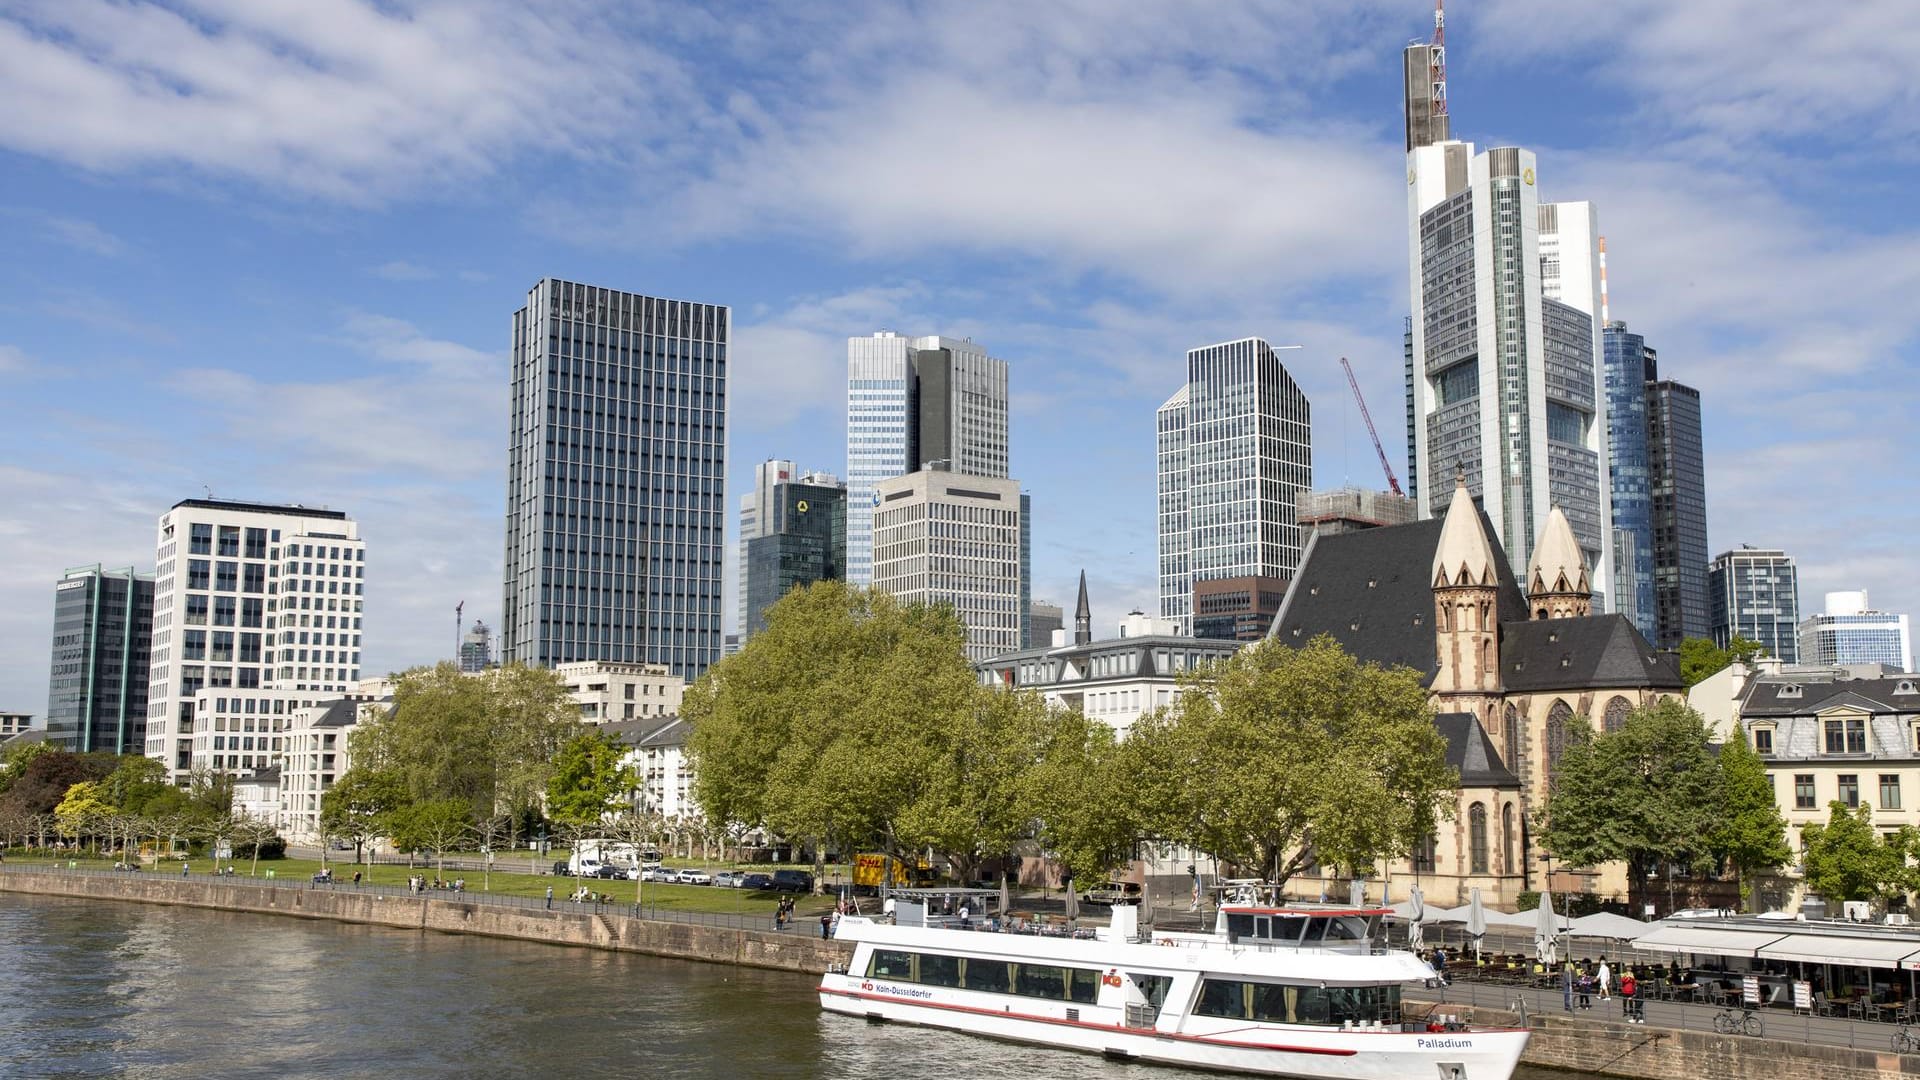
point(1304, 912)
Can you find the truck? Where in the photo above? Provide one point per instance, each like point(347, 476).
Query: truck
point(871, 870)
point(590, 855)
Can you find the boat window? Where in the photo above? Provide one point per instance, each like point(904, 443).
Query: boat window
point(1239, 926)
point(1153, 987)
point(1083, 985)
point(1221, 998)
point(1035, 980)
point(936, 970)
point(988, 976)
point(1275, 1003)
point(1288, 927)
point(1312, 1007)
point(1349, 929)
point(887, 964)
point(1316, 928)
point(1262, 927)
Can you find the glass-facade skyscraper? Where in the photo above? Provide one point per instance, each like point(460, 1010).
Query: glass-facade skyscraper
point(102, 637)
point(616, 472)
point(1677, 477)
point(1235, 450)
point(1755, 594)
point(801, 540)
point(1627, 361)
point(1850, 631)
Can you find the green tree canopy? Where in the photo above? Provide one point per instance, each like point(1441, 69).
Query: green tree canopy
point(1847, 860)
point(1648, 793)
point(588, 781)
point(1700, 657)
point(45, 776)
point(1751, 835)
point(1277, 758)
point(435, 825)
point(1081, 797)
point(973, 803)
point(357, 806)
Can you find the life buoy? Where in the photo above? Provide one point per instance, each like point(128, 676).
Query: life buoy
point(1167, 942)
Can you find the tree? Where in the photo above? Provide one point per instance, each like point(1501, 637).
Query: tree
point(1649, 793)
point(45, 777)
point(437, 825)
point(1075, 796)
point(490, 830)
point(14, 763)
point(1846, 860)
point(83, 809)
point(250, 834)
point(135, 781)
point(1700, 657)
point(1276, 758)
point(973, 803)
point(588, 779)
point(356, 806)
point(1751, 835)
point(638, 828)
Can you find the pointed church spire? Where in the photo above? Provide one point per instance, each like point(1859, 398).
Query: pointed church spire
point(1464, 556)
point(1083, 616)
point(1557, 581)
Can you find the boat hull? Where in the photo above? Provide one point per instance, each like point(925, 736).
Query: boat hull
point(1265, 1050)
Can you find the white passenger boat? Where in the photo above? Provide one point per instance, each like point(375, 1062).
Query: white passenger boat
point(1299, 991)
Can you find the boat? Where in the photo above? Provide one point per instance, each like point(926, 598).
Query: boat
point(1302, 991)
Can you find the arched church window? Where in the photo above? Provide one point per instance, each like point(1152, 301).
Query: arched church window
point(1616, 715)
point(1512, 730)
point(1506, 840)
point(1559, 718)
point(1477, 839)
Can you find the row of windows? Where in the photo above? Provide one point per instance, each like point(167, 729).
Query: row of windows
point(1081, 985)
point(1285, 1003)
point(1849, 791)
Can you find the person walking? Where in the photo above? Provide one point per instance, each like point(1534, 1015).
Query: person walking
point(549, 898)
point(1586, 987)
point(1606, 980)
point(184, 868)
point(1629, 986)
point(826, 926)
point(1566, 985)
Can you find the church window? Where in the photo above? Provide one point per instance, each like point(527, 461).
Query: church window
point(1513, 739)
point(1477, 839)
point(1616, 715)
point(1558, 719)
point(1506, 840)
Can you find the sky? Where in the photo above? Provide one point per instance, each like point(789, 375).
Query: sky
point(271, 249)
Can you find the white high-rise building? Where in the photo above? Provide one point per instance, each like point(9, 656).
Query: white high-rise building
point(914, 402)
point(1235, 450)
point(253, 605)
point(1505, 380)
point(1850, 631)
point(941, 537)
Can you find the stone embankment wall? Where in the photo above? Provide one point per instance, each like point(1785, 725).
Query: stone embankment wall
point(566, 924)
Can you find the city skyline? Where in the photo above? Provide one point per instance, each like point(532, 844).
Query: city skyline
point(1157, 184)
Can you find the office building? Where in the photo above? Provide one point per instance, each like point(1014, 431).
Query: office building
point(943, 538)
point(802, 538)
point(911, 403)
point(102, 640)
point(1627, 361)
point(1755, 594)
point(1045, 620)
point(1677, 479)
point(248, 598)
point(604, 691)
point(1236, 608)
point(616, 476)
point(1343, 510)
point(15, 723)
point(476, 649)
point(1235, 449)
point(754, 507)
point(1850, 631)
point(1503, 368)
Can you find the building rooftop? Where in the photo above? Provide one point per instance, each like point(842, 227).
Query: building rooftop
point(1597, 650)
point(291, 510)
point(1469, 751)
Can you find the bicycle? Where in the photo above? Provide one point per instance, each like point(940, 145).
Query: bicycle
point(1906, 1040)
point(1743, 1022)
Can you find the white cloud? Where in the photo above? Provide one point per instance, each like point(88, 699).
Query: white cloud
point(71, 232)
point(384, 337)
point(402, 270)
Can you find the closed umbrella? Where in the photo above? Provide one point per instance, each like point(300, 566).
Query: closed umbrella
point(1004, 906)
point(1416, 914)
point(1356, 893)
point(1476, 920)
point(1073, 903)
point(1546, 930)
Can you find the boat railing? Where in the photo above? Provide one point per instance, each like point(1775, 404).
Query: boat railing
point(1214, 941)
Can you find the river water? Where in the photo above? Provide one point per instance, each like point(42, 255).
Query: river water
point(100, 989)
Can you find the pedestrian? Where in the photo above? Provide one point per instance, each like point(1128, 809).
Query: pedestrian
point(549, 898)
point(1628, 987)
point(184, 867)
point(1566, 985)
point(826, 925)
point(356, 879)
point(780, 915)
point(1606, 980)
point(966, 921)
point(1586, 987)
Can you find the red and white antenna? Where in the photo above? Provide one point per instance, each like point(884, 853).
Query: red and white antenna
point(1603, 281)
point(1438, 55)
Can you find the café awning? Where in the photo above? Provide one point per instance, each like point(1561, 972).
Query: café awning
point(1876, 952)
point(1705, 941)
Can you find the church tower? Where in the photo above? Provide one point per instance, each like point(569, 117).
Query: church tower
point(1466, 605)
point(1083, 616)
point(1557, 585)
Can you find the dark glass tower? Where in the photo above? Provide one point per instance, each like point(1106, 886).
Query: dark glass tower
point(1677, 477)
point(803, 540)
point(616, 467)
point(1627, 361)
point(102, 637)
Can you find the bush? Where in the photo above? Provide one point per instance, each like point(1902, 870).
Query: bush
point(1527, 901)
point(273, 847)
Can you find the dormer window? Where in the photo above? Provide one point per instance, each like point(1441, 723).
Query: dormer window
point(1846, 735)
point(1763, 740)
point(1790, 690)
point(1905, 686)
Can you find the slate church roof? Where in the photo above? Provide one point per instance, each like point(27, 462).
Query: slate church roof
point(1596, 651)
point(1469, 751)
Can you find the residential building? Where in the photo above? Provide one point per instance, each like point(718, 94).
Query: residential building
point(1755, 594)
point(616, 477)
point(1677, 475)
point(476, 649)
point(1503, 357)
point(317, 754)
point(607, 691)
point(755, 505)
point(102, 642)
point(236, 730)
point(248, 597)
point(1235, 449)
point(1628, 359)
point(801, 539)
point(1350, 509)
point(1236, 608)
point(1045, 620)
point(256, 795)
point(1850, 631)
point(657, 754)
point(14, 723)
point(946, 538)
point(914, 403)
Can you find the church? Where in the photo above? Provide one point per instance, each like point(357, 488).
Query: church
point(1508, 664)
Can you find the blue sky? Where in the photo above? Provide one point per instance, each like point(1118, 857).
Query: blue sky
point(271, 248)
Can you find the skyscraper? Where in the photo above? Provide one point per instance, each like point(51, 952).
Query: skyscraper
point(102, 636)
point(755, 505)
point(1677, 480)
point(248, 597)
point(1505, 379)
point(1756, 595)
point(1235, 449)
point(914, 402)
point(1850, 631)
point(476, 649)
point(616, 474)
point(942, 538)
point(1627, 362)
point(802, 539)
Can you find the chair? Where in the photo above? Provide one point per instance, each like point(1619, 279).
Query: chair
point(1716, 993)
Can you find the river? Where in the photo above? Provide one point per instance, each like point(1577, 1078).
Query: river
point(100, 989)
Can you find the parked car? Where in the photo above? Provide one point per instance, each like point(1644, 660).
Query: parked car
point(691, 876)
point(793, 881)
point(728, 879)
point(561, 869)
point(757, 882)
point(606, 871)
point(659, 873)
point(1113, 892)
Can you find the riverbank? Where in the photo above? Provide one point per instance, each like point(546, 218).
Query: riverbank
point(1581, 1043)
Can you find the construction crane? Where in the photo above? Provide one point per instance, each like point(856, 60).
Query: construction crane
point(1392, 480)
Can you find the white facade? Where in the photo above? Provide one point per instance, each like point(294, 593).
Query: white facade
point(316, 756)
point(940, 538)
point(605, 691)
point(13, 723)
point(657, 755)
point(914, 402)
point(1850, 631)
point(1115, 681)
point(256, 795)
point(248, 598)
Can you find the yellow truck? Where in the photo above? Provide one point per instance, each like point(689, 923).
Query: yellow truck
point(874, 869)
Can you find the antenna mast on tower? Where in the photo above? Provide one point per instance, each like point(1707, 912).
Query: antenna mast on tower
point(1604, 316)
point(1439, 58)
